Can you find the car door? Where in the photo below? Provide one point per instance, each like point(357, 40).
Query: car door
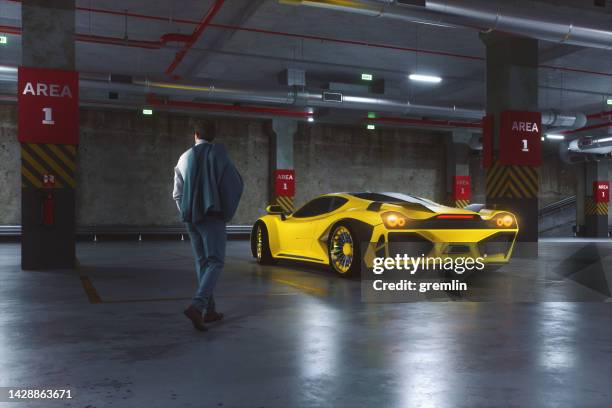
point(298, 229)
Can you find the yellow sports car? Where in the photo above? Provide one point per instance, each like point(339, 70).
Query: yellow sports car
point(332, 229)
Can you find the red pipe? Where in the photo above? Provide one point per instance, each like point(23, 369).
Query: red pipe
point(426, 122)
point(599, 115)
point(214, 9)
point(152, 100)
point(584, 129)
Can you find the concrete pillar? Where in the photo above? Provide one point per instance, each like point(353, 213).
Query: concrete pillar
point(458, 181)
point(47, 39)
point(595, 209)
point(282, 173)
point(512, 85)
point(48, 42)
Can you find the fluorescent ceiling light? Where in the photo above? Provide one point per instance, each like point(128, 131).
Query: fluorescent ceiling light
point(147, 111)
point(556, 137)
point(4, 68)
point(310, 119)
point(425, 78)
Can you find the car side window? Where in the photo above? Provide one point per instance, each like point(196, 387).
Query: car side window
point(315, 207)
point(337, 203)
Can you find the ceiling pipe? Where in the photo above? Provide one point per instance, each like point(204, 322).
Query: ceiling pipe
point(599, 115)
point(424, 122)
point(197, 32)
point(590, 145)
point(486, 16)
point(155, 101)
point(585, 128)
point(571, 120)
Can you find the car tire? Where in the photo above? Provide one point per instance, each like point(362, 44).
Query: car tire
point(343, 249)
point(261, 244)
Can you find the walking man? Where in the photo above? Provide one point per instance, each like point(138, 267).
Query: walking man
point(207, 190)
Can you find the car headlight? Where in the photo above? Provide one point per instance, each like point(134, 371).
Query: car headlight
point(394, 220)
point(504, 220)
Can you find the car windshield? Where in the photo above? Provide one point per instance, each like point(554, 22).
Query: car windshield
point(393, 198)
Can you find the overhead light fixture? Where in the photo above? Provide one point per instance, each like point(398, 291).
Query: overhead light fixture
point(542, 138)
point(371, 127)
point(3, 39)
point(147, 112)
point(609, 101)
point(310, 119)
point(554, 136)
point(367, 77)
point(425, 78)
point(4, 68)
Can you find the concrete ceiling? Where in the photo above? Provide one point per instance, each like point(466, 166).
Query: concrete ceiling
point(258, 58)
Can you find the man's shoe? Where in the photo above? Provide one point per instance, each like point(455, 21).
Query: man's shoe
point(195, 316)
point(210, 317)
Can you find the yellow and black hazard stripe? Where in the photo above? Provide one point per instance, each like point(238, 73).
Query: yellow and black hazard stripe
point(462, 203)
point(40, 159)
point(512, 181)
point(286, 203)
point(593, 208)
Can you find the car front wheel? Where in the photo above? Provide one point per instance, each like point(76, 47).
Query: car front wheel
point(343, 249)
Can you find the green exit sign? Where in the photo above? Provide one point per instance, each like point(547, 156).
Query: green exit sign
point(3, 39)
point(367, 77)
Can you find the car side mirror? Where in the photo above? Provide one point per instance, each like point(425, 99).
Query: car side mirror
point(275, 209)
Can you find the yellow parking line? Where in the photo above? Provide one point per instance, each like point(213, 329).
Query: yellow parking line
point(305, 288)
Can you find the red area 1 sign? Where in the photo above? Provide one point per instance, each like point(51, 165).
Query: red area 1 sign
point(520, 138)
point(462, 188)
point(284, 183)
point(48, 101)
point(601, 191)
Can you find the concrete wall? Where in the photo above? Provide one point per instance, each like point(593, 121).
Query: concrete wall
point(126, 164)
point(557, 179)
point(342, 158)
point(10, 163)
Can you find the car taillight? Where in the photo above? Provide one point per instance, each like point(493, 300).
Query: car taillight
point(504, 220)
point(394, 220)
point(455, 217)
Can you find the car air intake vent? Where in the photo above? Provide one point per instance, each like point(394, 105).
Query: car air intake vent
point(332, 96)
point(420, 3)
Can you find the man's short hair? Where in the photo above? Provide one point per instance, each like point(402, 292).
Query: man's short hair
point(206, 131)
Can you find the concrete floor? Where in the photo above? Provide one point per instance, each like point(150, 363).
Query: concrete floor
point(294, 336)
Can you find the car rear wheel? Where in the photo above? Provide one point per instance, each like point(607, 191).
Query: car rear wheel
point(343, 250)
point(262, 245)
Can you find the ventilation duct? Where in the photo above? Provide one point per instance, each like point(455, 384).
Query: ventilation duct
point(520, 18)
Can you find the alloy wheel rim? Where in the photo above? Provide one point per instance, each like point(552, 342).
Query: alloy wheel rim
point(259, 242)
point(341, 258)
